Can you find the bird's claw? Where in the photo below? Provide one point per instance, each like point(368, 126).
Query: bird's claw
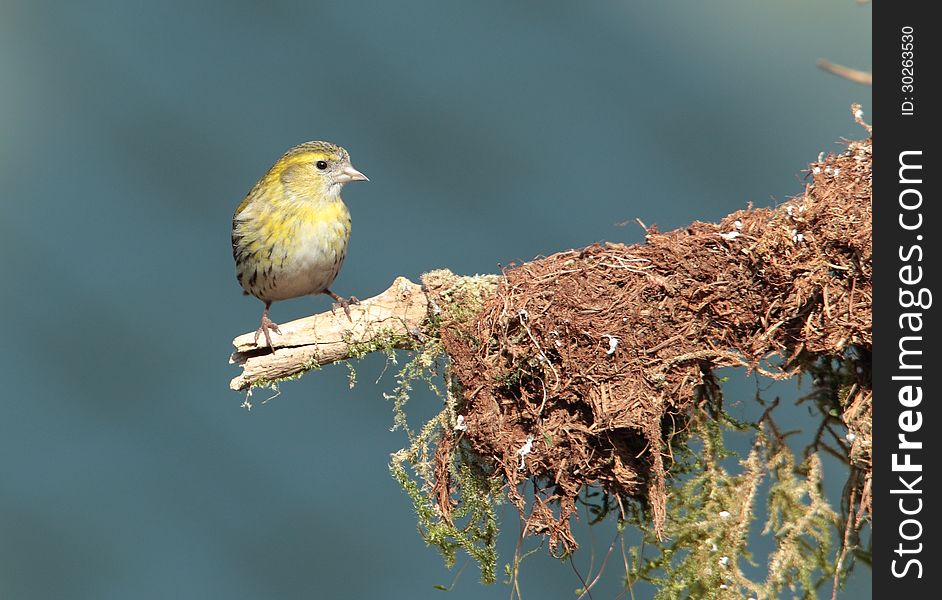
point(266, 326)
point(345, 304)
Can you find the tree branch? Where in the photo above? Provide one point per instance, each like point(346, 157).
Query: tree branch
point(390, 319)
point(855, 75)
point(398, 318)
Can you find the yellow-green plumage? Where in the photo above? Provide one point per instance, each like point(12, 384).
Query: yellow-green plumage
point(290, 234)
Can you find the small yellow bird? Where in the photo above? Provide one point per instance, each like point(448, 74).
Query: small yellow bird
point(290, 234)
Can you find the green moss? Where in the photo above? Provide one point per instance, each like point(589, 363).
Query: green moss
point(710, 514)
point(385, 341)
point(472, 524)
point(272, 384)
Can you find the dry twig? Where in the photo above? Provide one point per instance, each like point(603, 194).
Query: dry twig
point(855, 75)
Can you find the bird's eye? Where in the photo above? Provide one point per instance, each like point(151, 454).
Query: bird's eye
point(321, 164)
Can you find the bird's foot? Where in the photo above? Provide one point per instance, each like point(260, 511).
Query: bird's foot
point(342, 302)
point(264, 328)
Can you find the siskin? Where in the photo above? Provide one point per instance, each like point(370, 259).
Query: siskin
point(290, 234)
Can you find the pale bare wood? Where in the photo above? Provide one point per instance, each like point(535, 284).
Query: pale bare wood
point(393, 317)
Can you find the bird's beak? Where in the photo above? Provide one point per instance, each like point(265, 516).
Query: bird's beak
point(350, 174)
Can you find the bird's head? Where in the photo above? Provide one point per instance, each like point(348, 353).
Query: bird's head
point(316, 166)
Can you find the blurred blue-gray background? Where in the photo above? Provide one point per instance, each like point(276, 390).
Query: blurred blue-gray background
point(492, 131)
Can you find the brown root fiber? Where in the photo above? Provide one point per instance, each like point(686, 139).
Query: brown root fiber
point(582, 366)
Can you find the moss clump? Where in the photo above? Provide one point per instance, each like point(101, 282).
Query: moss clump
point(437, 469)
point(472, 494)
point(709, 517)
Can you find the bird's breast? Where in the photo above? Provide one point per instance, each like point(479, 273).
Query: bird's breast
point(299, 253)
